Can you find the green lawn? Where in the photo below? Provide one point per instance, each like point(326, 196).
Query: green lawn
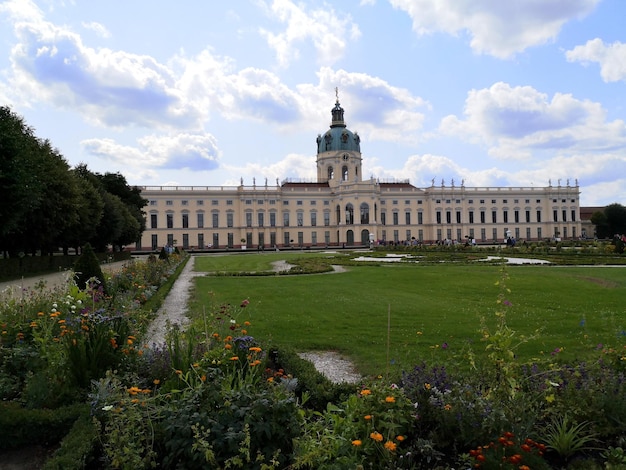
point(576, 308)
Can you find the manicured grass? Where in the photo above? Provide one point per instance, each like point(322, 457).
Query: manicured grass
point(575, 308)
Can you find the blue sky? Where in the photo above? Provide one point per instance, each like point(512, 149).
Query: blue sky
point(488, 92)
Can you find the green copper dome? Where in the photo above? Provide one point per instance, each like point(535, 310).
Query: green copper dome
point(338, 137)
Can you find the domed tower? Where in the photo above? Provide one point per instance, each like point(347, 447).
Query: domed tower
point(338, 152)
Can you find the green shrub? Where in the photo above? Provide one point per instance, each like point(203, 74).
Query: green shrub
point(78, 447)
point(87, 267)
point(20, 426)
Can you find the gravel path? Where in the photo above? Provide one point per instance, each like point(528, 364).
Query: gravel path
point(174, 308)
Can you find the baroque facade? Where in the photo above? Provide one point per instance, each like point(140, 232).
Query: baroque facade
point(342, 209)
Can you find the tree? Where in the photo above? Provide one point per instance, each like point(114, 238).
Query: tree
point(610, 221)
point(87, 267)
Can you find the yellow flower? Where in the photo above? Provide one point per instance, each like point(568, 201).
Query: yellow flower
point(178, 372)
point(550, 398)
point(156, 381)
point(134, 390)
point(366, 392)
point(356, 443)
point(427, 386)
point(378, 437)
point(390, 446)
point(390, 399)
point(447, 407)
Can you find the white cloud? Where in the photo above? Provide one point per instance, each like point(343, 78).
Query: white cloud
point(293, 166)
point(197, 152)
point(611, 57)
point(517, 122)
point(328, 31)
point(498, 28)
point(98, 28)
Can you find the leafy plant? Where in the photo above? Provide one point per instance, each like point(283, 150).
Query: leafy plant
point(566, 438)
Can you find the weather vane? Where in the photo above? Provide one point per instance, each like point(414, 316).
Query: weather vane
point(337, 94)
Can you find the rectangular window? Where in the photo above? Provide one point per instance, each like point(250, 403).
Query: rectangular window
point(448, 217)
point(229, 219)
point(215, 202)
point(313, 238)
point(185, 220)
point(494, 217)
point(300, 219)
point(201, 241)
point(272, 219)
point(438, 215)
point(153, 202)
point(231, 240)
point(298, 203)
point(483, 235)
point(216, 240)
point(248, 219)
point(153, 220)
point(539, 233)
point(200, 217)
point(420, 235)
point(539, 217)
point(516, 215)
point(185, 241)
point(505, 216)
point(383, 218)
point(395, 218)
point(555, 215)
point(408, 235)
point(458, 217)
point(170, 220)
point(528, 233)
point(527, 218)
point(564, 215)
point(573, 215)
point(326, 219)
point(229, 202)
point(285, 219)
point(313, 219)
point(200, 202)
point(494, 234)
point(482, 217)
point(184, 202)
point(327, 237)
point(260, 220)
point(169, 203)
point(215, 220)
point(420, 218)
point(407, 218)
point(248, 202)
point(471, 217)
point(286, 238)
point(155, 242)
point(300, 238)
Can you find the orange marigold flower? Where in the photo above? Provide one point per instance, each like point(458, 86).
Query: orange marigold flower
point(526, 447)
point(447, 407)
point(178, 372)
point(156, 381)
point(270, 379)
point(390, 399)
point(228, 346)
point(40, 314)
point(427, 386)
point(246, 323)
point(33, 324)
point(134, 390)
point(255, 349)
point(366, 392)
point(234, 358)
point(215, 335)
point(203, 378)
point(378, 437)
point(367, 417)
point(524, 467)
point(390, 446)
point(356, 443)
point(400, 438)
point(244, 332)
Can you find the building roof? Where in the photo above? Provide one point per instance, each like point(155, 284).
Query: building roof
point(338, 137)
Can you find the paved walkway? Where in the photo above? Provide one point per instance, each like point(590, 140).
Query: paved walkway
point(48, 281)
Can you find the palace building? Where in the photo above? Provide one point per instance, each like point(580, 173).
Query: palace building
point(341, 208)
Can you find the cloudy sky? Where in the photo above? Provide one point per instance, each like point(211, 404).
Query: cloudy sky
point(491, 92)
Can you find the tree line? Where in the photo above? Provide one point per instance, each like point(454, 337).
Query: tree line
point(45, 205)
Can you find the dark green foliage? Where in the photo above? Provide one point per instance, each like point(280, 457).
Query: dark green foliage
point(78, 447)
point(20, 426)
point(87, 266)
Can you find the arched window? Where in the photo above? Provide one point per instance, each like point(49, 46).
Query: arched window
point(344, 173)
point(365, 213)
point(331, 173)
point(349, 214)
point(338, 214)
